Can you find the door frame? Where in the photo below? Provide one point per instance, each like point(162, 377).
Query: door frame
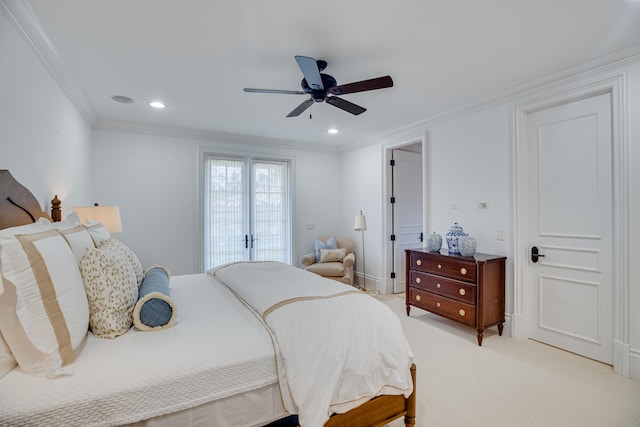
point(616, 85)
point(387, 218)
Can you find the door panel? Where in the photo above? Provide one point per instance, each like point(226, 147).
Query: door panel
point(407, 189)
point(570, 155)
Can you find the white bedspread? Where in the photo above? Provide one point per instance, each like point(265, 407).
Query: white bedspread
point(216, 349)
point(340, 347)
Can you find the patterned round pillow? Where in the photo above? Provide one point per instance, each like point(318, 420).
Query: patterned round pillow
point(129, 254)
point(112, 290)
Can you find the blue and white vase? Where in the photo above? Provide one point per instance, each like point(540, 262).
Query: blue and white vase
point(467, 245)
point(434, 242)
point(455, 232)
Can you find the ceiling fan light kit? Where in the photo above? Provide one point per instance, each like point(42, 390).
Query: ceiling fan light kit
point(324, 88)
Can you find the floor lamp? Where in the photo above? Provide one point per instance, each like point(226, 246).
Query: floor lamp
point(361, 226)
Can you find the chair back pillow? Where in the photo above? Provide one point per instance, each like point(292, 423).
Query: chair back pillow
point(329, 244)
point(332, 255)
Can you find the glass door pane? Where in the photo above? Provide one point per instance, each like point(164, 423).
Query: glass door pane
point(226, 222)
point(271, 222)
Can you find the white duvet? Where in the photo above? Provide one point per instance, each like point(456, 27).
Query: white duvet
point(339, 346)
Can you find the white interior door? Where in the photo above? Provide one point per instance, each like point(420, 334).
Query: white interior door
point(571, 224)
point(407, 189)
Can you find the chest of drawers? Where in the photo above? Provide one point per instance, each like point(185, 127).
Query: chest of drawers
point(469, 290)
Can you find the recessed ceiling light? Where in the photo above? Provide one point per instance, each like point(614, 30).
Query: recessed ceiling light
point(332, 131)
point(157, 104)
point(123, 99)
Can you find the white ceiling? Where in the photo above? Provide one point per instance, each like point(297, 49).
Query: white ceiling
point(198, 55)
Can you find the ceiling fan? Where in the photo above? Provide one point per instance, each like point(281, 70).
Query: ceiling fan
point(323, 87)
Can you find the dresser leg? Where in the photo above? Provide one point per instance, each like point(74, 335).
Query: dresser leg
point(408, 309)
point(500, 327)
point(480, 336)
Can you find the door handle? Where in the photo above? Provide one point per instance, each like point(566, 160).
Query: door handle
point(535, 254)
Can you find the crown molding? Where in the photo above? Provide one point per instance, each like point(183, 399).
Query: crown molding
point(226, 138)
point(25, 21)
point(597, 66)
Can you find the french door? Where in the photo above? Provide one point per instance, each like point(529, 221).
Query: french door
point(247, 205)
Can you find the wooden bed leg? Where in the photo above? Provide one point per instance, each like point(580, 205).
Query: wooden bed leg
point(410, 418)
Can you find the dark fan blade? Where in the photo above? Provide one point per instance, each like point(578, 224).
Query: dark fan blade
point(309, 68)
point(345, 105)
point(300, 108)
point(285, 92)
point(371, 84)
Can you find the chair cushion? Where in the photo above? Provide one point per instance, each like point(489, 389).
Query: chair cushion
point(327, 269)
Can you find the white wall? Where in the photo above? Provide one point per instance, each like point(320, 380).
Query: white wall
point(44, 141)
point(155, 181)
point(470, 159)
point(362, 172)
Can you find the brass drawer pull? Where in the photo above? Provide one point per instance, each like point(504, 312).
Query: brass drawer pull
point(418, 280)
point(462, 291)
point(418, 298)
point(437, 304)
point(419, 262)
point(438, 285)
point(461, 312)
point(463, 271)
point(439, 266)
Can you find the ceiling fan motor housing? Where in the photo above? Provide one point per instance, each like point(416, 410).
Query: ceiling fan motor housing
point(319, 95)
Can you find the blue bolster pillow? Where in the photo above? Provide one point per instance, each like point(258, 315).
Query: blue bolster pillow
point(154, 310)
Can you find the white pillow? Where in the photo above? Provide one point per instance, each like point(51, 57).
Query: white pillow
point(70, 221)
point(79, 240)
point(112, 290)
point(98, 232)
point(43, 310)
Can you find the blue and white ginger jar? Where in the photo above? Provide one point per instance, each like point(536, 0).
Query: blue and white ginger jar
point(455, 232)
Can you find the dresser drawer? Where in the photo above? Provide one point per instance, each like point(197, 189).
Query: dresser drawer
point(453, 268)
point(454, 310)
point(455, 289)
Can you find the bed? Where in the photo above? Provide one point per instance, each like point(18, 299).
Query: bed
point(254, 343)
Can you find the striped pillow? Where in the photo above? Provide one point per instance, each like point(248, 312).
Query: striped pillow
point(7, 361)
point(44, 314)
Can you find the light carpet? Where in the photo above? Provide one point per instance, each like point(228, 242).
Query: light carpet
point(508, 382)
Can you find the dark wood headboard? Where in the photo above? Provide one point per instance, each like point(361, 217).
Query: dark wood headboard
point(18, 206)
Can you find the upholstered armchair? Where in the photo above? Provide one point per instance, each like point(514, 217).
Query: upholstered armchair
point(331, 266)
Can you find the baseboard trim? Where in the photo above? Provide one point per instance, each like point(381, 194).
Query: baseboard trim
point(518, 326)
point(634, 364)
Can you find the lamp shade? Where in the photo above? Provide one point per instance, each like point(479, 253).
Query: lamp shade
point(109, 216)
point(361, 222)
